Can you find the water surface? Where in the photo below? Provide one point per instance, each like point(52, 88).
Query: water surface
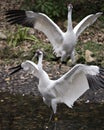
point(27, 112)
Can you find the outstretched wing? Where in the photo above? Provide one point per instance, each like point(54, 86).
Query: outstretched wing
point(75, 82)
point(30, 67)
point(87, 21)
point(38, 21)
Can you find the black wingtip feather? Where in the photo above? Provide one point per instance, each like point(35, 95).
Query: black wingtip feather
point(101, 70)
point(96, 81)
point(12, 12)
point(15, 14)
point(18, 66)
point(15, 69)
point(18, 17)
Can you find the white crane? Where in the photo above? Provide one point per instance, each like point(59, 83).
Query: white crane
point(68, 88)
point(63, 42)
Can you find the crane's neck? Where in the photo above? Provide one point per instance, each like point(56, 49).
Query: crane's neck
point(70, 28)
point(40, 61)
point(42, 73)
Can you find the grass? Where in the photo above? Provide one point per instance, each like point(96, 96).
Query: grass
point(19, 53)
point(16, 38)
point(18, 41)
point(46, 47)
point(95, 48)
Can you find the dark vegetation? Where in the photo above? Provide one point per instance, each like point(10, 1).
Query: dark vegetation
point(56, 8)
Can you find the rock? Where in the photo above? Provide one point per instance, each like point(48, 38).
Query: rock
point(3, 36)
point(86, 40)
point(31, 31)
point(88, 56)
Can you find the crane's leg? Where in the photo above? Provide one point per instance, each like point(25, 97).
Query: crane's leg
point(63, 59)
point(54, 108)
point(54, 105)
point(50, 118)
point(73, 57)
point(62, 63)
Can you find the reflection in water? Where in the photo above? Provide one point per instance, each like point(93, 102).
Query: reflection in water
point(30, 113)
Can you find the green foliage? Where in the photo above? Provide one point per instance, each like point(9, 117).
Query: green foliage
point(16, 38)
point(53, 9)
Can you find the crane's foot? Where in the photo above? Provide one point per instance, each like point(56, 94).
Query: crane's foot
point(50, 118)
point(55, 119)
point(62, 63)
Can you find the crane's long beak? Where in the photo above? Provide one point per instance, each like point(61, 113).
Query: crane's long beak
point(15, 69)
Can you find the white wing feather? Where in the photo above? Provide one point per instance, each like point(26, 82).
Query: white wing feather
point(69, 91)
point(74, 83)
point(87, 21)
point(43, 23)
point(30, 67)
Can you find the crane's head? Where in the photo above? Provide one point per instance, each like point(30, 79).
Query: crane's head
point(38, 53)
point(70, 7)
